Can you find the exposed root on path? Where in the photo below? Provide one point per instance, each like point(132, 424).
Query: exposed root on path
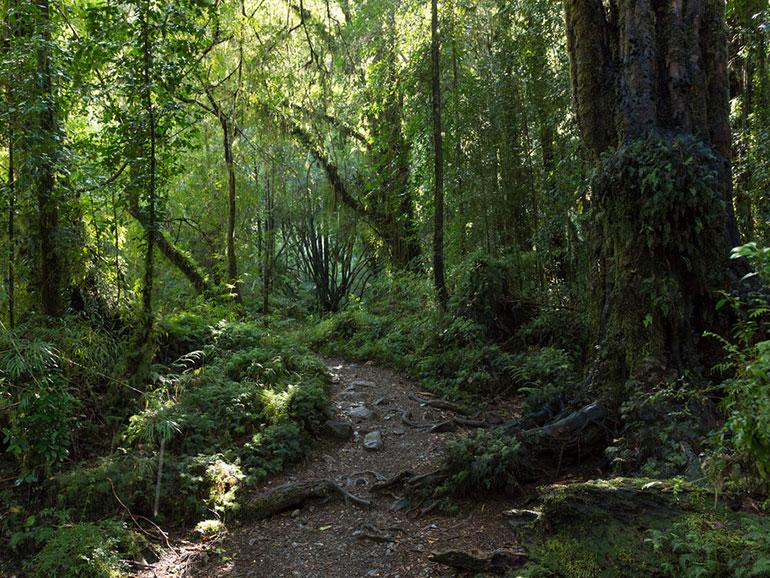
point(440, 404)
point(499, 562)
point(445, 426)
point(567, 440)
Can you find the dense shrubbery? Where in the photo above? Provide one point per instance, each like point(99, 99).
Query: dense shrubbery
point(490, 460)
point(742, 451)
point(713, 544)
point(455, 354)
point(48, 373)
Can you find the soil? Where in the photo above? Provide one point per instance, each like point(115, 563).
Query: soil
point(329, 539)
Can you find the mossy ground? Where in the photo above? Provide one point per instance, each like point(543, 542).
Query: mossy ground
point(638, 527)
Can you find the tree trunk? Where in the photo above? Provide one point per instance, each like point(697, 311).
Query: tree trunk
point(269, 247)
point(232, 263)
point(50, 261)
point(11, 185)
point(149, 262)
point(438, 160)
point(651, 95)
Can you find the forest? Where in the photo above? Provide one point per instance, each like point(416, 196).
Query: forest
point(384, 288)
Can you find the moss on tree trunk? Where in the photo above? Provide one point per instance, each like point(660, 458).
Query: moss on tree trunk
point(651, 95)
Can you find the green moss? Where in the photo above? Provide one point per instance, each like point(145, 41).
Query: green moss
point(660, 208)
point(639, 527)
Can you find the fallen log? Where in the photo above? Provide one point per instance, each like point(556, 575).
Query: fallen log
point(296, 494)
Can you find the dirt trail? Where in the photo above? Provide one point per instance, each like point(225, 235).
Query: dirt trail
point(325, 540)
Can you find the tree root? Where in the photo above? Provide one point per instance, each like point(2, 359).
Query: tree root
point(543, 449)
point(440, 404)
point(397, 480)
point(292, 495)
point(363, 476)
point(499, 562)
point(375, 534)
point(449, 425)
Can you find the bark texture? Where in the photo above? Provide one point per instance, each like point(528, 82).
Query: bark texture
point(650, 87)
point(50, 261)
point(438, 164)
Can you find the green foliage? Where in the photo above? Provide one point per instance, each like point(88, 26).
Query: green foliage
point(546, 376)
point(23, 532)
point(661, 196)
point(488, 291)
point(452, 356)
point(87, 489)
point(87, 551)
point(39, 407)
point(490, 461)
point(559, 327)
point(747, 399)
point(271, 449)
point(660, 211)
point(703, 545)
point(662, 421)
point(247, 406)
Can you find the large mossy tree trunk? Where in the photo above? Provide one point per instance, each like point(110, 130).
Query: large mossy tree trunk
point(651, 94)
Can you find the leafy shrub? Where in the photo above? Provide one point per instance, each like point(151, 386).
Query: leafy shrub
point(558, 327)
point(546, 376)
point(271, 449)
point(489, 460)
point(662, 422)
point(488, 291)
point(455, 360)
point(713, 545)
point(746, 396)
point(39, 410)
point(23, 532)
point(87, 490)
point(308, 406)
point(87, 551)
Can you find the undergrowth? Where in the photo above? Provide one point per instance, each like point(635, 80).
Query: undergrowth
point(225, 403)
point(458, 354)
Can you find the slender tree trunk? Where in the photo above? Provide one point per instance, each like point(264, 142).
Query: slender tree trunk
point(50, 265)
point(460, 194)
point(269, 248)
point(149, 260)
point(116, 241)
point(743, 201)
point(11, 182)
point(11, 231)
point(438, 195)
point(762, 72)
point(232, 263)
